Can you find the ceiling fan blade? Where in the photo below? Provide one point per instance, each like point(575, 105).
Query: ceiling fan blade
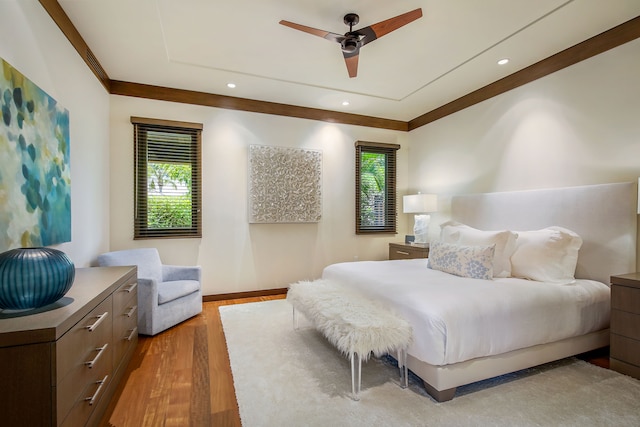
point(320, 33)
point(351, 59)
point(378, 30)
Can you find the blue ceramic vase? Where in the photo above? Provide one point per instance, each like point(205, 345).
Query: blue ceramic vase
point(34, 277)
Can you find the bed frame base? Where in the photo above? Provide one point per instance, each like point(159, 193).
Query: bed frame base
point(439, 395)
point(441, 381)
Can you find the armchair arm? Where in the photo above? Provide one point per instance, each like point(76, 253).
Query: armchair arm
point(181, 272)
point(147, 300)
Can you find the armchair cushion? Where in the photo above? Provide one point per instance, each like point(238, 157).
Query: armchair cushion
point(169, 291)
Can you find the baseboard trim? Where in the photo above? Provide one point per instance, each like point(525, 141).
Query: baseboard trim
point(239, 295)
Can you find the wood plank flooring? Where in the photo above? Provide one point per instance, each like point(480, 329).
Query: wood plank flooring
point(182, 376)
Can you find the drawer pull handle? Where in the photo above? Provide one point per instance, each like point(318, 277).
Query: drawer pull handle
point(92, 399)
point(132, 334)
point(103, 316)
point(131, 311)
point(402, 253)
point(100, 350)
point(131, 288)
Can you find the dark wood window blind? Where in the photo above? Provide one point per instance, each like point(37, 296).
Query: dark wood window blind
point(375, 187)
point(168, 183)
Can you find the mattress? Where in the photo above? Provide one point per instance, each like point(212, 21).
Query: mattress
point(455, 319)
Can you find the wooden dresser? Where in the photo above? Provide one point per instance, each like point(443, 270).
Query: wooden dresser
point(625, 324)
point(59, 365)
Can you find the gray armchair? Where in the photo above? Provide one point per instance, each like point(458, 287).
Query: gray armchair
point(167, 294)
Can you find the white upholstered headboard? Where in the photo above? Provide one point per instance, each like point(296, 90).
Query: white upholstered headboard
point(603, 215)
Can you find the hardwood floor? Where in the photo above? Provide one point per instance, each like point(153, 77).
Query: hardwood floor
point(599, 357)
point(180, 377)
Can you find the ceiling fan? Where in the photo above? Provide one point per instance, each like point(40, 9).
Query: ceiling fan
point(352, 41)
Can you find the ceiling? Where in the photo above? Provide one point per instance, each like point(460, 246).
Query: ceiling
point(202, 45)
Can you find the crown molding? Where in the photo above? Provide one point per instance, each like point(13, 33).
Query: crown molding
point(600, 43)
point(609, 39)
point(243, 104)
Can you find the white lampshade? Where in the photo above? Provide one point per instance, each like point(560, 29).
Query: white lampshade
point(639, 195)
point(420, 203)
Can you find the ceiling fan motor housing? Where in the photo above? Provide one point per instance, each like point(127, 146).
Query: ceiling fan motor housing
point(350, 44)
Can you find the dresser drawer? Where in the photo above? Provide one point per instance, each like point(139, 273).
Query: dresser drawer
point(625, 349)
point(84, 356)
point(625, 324)
point(398, 251)
point(625, 298)
point(90, 394)
point(125, 335)
point(125, 320)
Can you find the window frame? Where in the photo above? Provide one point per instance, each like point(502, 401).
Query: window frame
point(141, 149)
point(391, 213)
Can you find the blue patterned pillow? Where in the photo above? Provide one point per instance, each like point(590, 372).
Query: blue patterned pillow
point(475, 262)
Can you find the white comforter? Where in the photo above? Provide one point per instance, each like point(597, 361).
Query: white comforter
point(456, 319)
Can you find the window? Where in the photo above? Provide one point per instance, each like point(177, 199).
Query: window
point(167, 179)
point(375, 187)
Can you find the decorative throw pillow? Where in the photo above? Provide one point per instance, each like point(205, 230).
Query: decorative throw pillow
point(547, 255)
point(504, 241)
point(466, 261)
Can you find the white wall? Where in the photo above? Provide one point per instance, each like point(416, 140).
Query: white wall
point(578, 126)
point(32, 43)
point(237, 256)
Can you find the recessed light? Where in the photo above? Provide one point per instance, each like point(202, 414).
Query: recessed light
point(503, 61)
point(345, 103)
point(231, 85)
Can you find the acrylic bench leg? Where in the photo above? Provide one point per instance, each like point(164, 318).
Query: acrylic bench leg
point(404, 371)
point(295, 319)
point(356, 375)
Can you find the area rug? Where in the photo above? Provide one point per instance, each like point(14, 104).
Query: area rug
point(285, 377)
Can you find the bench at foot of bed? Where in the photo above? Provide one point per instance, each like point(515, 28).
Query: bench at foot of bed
point(354, 324)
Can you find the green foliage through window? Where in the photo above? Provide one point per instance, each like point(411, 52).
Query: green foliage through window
point(372, 189)
point(169, 196)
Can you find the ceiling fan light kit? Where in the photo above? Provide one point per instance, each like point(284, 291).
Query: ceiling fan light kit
point(352, 41)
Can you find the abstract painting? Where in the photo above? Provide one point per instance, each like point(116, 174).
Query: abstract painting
point(285, 185)
point(35, 178)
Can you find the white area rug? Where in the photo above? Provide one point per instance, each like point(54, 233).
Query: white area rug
point(288, 378)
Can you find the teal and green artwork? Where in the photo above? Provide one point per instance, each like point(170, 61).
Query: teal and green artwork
point(35, 178)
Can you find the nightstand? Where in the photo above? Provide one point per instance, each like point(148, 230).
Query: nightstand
point(625, 324)
point(406, 251)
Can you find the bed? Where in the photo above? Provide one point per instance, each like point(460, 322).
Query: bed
point(467, 329)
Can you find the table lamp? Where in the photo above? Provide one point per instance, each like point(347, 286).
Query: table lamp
point(421, 205)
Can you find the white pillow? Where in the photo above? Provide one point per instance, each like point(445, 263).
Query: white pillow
point(466, 261)
point(547, 255)
point(504, 241)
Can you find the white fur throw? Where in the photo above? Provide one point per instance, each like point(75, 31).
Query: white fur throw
point(350, 321)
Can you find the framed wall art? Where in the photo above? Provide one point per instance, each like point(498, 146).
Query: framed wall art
point(285, 185)
point(35, 176)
